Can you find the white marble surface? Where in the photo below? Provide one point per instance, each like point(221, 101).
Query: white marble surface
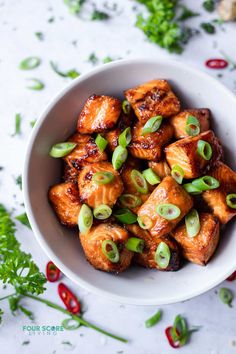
point(19, 20)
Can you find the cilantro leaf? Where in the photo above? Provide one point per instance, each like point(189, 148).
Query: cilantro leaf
point(93, 59)
point(187, 13)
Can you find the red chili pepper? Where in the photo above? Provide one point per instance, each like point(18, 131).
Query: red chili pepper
point(170, 339)
point(232, 277)
point(217, 63)
point(52, 272)
point(70, 300)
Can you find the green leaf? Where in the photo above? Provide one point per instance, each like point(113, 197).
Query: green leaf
point(208, 27)
point(18, 120)
point(23, 219)
point(99, 15)
point(74, 5)
point(26, 312)
point(187, 13)
point(93, 59)
point(14, 303)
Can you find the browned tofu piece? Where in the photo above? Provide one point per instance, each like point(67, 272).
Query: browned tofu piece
point(216, 198)
point(95, 194)
point(92, 246)
point(161, 168)
point(99, 114)
point(199, 249)
point(167, 192)
point(85, 152)
point(70, 174)
point(149, 146)
point(64, 198)
point(151, 99)
point(184, 153)
point(179, 121)
point(147, 257)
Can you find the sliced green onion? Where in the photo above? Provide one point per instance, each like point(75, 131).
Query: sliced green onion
point(192, 223)
point(62, 149)
point(125, 216)
point(162, 255)
point(125, 137)
point(37, 85)
point(85, 219)
point(119, 156)
point(130, 200)
point(152, 321)
point(179, 331)
point(152, 125)
point(70, 73)
point(139, 182)
point(226, 296)
point(204, 149)
point(177, 173)
point(205, 183)
point(102, 212)
point(168, 211)
point(103, 177)
point(135, 244)
point(191, 189)
point(110, 250)
point(70, 324)
point(151, 177)
point(126, 107)
point(18, 119)
point(29, 63)
point(192, 126)
point(144, 222)
point(101, 142)
point(231, 200)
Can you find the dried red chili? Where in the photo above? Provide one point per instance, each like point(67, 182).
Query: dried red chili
point(232, 277)
point(171, 341)
point(216, 63)
point(70, 300)
point(52, 272)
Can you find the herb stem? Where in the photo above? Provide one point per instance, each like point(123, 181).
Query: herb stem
point(6, 297)
point(75, 317)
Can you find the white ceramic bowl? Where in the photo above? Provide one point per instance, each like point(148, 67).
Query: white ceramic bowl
point(58, 121)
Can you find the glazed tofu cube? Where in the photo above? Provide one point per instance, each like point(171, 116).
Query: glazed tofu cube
point(161, 168)
point(149, 146)
point(185, 154)
point(179, 121)
point(167, 192)
point(199, 249)
point(99, 114)
point(151, 99)
point(95, 194)
point(64, 198)
point(85, 152)
point(147, 257)
point(216, 198)
point(92, 246)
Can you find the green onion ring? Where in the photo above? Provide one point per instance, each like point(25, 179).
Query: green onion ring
point(119, 156)
point(139, 181)
point(144, 222)
point(70, 327)
point(125, 216)
point(152, 321)
point(231, 200)
point(101, 142)
point(126, 107)
point(151, 177)
point(205, 183)
point(29, 63)
point(102, 212)
point(191, 189)
point(113, 254)
point(226, 296)
point(168, 211)
point(125, 137)
point(177, 173)
point(204, 149)
point(85, 219)
point(130, 200)
point(179, 330)
point(135, 244)
point(192, 223)
point(61, 149)
point(192, 126)
point(152, 125)
point(103, 177)
point(162, 255)
point(38, 85)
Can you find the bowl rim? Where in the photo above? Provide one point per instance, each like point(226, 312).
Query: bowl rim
point(40, 237)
